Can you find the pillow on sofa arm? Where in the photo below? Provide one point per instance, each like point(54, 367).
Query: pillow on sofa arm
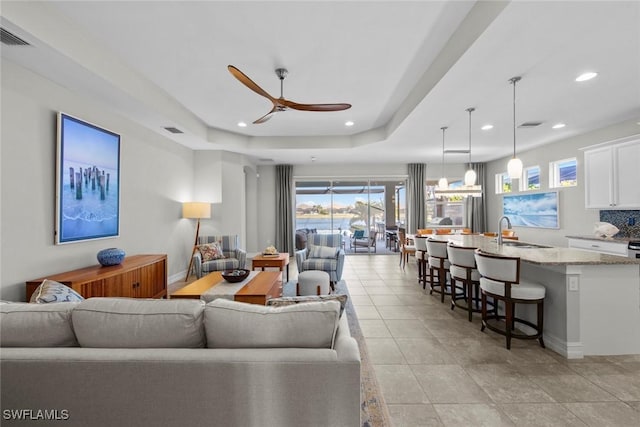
point(328, 252)
point(51, 291)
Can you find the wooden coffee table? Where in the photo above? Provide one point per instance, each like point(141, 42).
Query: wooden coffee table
point(266, 285)
point(279, 261)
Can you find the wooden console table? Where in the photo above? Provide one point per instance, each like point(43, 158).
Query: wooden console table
point(139, 276)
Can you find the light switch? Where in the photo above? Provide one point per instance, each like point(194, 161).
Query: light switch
point(573, 284)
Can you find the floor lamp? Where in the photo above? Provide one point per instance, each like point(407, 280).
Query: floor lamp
point(195, 210)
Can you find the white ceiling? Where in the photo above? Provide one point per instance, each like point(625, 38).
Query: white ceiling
point(408, 68)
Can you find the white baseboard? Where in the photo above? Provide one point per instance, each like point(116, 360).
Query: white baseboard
point(178, 277)
point(570, 350)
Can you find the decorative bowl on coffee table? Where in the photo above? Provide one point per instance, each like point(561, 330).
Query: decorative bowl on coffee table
point(236, 275)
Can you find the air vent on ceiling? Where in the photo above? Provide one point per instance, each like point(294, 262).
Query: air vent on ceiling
point(10, 39)
point(463, 151)
point(173, 130)
point(530, 124)
point(265, 160)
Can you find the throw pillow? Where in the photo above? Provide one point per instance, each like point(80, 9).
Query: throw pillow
point(211, 251)
point(282, 301)
point(323, 252)
point(358, 234)
point(51, 291)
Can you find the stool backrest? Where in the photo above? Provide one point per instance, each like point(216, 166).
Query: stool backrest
point(437, 248)
point(461, 256)
point(498, 268)
point(421, 243)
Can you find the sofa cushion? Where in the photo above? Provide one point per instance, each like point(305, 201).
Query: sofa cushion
point(37, 325)
point(231, 324)
point(139, 323)
point(283, 301)
point(323, 252)
point(211, 251)
point(52, 291)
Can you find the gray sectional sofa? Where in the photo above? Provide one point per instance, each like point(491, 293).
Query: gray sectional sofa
point(126, 362)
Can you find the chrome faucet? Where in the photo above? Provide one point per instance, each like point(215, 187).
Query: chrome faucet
point(500, 228)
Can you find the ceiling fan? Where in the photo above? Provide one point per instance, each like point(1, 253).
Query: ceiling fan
point(281, 104)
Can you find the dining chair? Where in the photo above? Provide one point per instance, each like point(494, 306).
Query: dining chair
point(405, 248)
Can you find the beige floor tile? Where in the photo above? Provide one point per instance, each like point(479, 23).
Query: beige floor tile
point(538, 369)
point(585, 369)
point(633, 367)
point(361, 299)
point(384, 351)
point(386, 300)
point(365, 312)
point(448, 384)
point(410, 328)
point(427, 351)
point(504, 384)
point(634, 405)
point(598, 414)
point(446, 328)
point(414, 415)
point(414, 299)
point(395, 312)
point(468, 415)
point(409, 291)
point(540, 415)
point(378, 290)
point(624, 387)
point(572, 388)
point(470, 351)
point(399, 385)
point(374, 329)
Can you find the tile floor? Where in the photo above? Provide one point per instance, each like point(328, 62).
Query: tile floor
point(435, 368)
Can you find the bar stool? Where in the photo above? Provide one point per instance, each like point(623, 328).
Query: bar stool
point(437, 250)
point(463, 269)
point(500, 279)
point(422, 258)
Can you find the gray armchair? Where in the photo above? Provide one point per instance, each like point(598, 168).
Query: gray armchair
point(319, 256)
point(234, 256)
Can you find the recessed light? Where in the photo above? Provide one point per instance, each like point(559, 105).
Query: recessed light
point(487, 127)
point(242, 124)
point(586, 76)
point(349, 123)
point(558, 126)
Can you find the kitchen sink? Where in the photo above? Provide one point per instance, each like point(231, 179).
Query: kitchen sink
point(522, 245)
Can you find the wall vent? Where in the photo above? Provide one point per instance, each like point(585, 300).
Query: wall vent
point(265, 160)
point(10, 39)
point(172, 129)
point(530, 124)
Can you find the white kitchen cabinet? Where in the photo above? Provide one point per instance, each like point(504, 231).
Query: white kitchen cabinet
point(612, 175)
point(598, 245)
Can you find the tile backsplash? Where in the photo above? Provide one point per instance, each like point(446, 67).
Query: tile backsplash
point(627, 221)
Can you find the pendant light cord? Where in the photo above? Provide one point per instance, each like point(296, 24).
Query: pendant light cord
point(514, 80)
point(470, 110)
point(443, 129)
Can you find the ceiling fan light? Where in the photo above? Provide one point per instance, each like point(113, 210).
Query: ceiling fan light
point(443, 183)
point(514, 168)
point(470, 177)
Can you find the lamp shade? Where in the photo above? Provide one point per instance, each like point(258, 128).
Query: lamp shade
point(514, 168)
point(196, 210)
point(443, 183)
point(470, 177)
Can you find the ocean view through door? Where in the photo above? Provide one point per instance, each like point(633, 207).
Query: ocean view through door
point(359, 209)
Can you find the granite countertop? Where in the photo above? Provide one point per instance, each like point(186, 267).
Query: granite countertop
point(606, 239)
point(537, 254)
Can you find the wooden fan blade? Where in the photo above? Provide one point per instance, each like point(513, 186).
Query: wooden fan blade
point(315, 107)
point(266, 116)
point(248, 82)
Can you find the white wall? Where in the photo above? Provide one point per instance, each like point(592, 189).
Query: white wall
point(574, 218)
point(157, 175)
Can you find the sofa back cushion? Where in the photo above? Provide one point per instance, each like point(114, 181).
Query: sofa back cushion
point(37, 325)
point(230, 324)
point(139, 323)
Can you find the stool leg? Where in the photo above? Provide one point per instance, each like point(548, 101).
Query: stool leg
point(431, 280)
point(469, 289)
point(297, 289)
point(442, 278)
point(483, 299)
point(453, 295)
point(508, 322)
point(318, 290)
point(540, 322)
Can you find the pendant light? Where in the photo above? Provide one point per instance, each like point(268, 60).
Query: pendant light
point(514, 167)
point(470, 175)
point(443, 184)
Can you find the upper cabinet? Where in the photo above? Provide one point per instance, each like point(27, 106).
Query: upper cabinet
point(612, 175)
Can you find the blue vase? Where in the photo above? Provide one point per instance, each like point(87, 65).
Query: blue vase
point(111, 256)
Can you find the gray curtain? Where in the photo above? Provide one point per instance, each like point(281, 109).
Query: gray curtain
point(284, 209)
point(476, 211)
point(415, 197)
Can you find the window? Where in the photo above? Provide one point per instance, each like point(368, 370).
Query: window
point(531, 179)
point(563, 173)
point(438, 208)
point(503, 183)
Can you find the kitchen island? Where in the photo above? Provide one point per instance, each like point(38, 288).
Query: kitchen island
point(592, 303)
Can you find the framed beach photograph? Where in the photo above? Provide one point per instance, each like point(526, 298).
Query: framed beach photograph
point(87, 181)
point(532, 209)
